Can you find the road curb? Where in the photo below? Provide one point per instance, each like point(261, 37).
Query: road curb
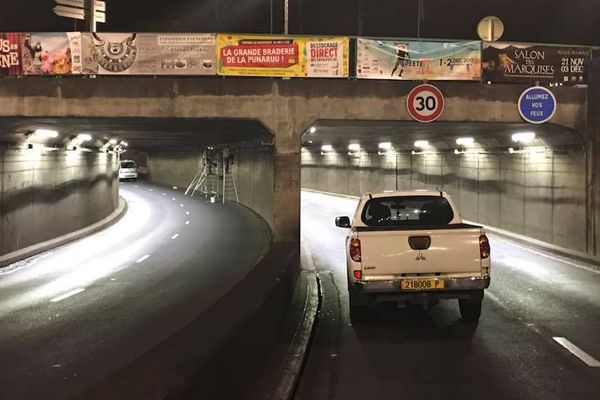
point(7, 261)
point(299, 348)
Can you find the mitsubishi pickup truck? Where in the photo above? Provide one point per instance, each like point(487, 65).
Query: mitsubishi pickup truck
point(413, 247)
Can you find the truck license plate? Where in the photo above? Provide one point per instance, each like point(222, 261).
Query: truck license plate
point(421, 284)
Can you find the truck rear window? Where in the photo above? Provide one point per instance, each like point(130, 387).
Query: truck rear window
point(127, 164)
point(407, 211)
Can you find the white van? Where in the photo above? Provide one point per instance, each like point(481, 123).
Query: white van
point(128, 170)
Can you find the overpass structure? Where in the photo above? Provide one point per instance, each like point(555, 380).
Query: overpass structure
point(285, 108)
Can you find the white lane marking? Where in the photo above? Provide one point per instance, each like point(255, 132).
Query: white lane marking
point(142, 259)
point(173, 198)
point(135, 186)
point(152, 190)
point(174, 236)
point(187, 213)
point(68, 294)
point(164, 194)
point(187, 222)
point(577, 352)
point(562, 260)
point(180, 205)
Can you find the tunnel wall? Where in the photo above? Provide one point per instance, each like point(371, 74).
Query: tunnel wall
point(255, 179)
point(173, 169)
point(253, 172)
point(542, 196)
point(47, 194)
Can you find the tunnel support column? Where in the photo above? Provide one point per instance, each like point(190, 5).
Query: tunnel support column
point(594, 154)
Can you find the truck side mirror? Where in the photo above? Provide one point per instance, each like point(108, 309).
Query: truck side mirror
point(342, 222)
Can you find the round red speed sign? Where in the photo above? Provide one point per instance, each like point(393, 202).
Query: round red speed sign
point(425, 103)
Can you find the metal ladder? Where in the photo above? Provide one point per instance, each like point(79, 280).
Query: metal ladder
point(208, 185)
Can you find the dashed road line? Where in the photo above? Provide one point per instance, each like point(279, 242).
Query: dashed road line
point(180, 204)
point(187, 213)
point(187, 222)
point(66, 295)
point(175, 236)
point(144, 258)
point(577, 352)
point(173, 198)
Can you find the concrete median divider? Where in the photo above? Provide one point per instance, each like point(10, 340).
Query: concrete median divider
point(225, 351)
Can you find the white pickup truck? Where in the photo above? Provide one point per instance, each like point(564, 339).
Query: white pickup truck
point(412, 247)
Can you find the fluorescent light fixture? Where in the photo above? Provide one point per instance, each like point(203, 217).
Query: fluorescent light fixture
point(312, 129)
point(385, 145)
point(422, 144)
point(47, 133)
point(523, 137)
point(327, 147)
point(112, 141)
point(84, 137)
point(354, 147)
point(465, 141)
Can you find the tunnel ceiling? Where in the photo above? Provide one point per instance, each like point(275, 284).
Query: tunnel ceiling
point(441, 135)
point(146, 134)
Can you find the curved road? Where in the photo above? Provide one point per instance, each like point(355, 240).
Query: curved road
point(72, 316)
point(410, 354)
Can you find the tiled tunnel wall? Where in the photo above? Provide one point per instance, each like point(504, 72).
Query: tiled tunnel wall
point(253, 172)
point(45, 194)
point(540, 195)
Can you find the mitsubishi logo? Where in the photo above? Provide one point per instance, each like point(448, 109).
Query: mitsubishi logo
point(420, 257)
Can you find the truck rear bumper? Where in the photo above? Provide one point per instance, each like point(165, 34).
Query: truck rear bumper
point(450, 285)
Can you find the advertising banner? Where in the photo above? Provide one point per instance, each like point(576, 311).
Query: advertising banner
point(51, 53)
point(10, 54)
point(518, 62)
point(412, 60)
point(149, 53)
point(283, 56)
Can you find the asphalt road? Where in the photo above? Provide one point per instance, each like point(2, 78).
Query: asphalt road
point(74, 315)
point(413, 354)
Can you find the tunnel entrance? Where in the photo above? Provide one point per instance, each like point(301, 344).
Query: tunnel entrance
point(60, 174)
point(525, 179)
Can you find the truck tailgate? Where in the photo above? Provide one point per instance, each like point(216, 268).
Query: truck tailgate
point(389, 252)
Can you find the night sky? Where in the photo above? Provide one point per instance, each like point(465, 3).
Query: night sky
point(549, 21)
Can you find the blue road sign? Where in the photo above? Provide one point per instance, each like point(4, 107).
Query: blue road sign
point(537, 105)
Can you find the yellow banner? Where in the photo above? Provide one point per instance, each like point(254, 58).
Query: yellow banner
point(283, 56)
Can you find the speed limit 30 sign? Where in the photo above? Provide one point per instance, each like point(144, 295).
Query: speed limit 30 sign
point(425, 103)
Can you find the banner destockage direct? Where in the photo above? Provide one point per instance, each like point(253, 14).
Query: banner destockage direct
point(149, 53)
point(417, 60)
point(519, 62)
point(284, 56)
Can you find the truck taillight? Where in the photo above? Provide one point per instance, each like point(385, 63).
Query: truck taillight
point(357, 274)
point(484, 246)
point(355, 250)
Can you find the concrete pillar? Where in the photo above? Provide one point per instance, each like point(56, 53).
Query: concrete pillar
point(593, 162)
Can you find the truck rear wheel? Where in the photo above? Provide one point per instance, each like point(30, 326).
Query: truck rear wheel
point(470, 310)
